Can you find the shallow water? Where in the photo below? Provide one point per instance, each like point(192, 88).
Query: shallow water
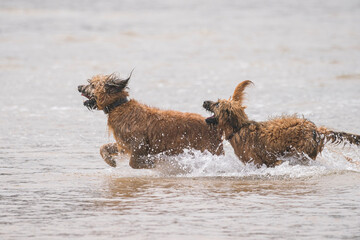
point(303, 58)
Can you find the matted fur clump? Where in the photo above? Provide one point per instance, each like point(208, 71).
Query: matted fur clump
point(142, 131)
point(269, 141)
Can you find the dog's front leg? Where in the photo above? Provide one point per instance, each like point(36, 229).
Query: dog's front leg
point(107, 152)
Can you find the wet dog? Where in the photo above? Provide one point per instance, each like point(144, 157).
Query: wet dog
point(268, 142)
point(142, 131)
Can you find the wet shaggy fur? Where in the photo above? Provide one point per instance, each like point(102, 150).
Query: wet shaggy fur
point(267, 142)
point(142, 131)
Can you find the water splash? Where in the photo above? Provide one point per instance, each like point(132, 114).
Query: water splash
point(196, 164)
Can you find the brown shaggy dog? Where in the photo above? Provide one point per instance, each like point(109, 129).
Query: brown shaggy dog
point(144, 131)
point(268, 142)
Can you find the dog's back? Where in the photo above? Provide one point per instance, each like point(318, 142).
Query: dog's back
point(156, 131)
point(265, 142)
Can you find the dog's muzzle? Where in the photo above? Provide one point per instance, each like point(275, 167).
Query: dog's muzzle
point(91, 103)
point(207, 105)
point(212, 119)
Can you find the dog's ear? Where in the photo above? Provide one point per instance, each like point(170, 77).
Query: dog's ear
point(114, 84)
point(239, 91)
point(232, 119)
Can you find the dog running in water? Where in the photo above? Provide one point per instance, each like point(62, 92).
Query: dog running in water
point(267, 142)
point(142, 131)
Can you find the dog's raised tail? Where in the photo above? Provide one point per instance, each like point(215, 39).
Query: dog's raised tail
point(239, 90)
point(339, 137)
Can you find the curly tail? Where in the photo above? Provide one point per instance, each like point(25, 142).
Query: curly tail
point(339, 137)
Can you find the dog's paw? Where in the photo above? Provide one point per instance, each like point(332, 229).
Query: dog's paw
point(110, 161)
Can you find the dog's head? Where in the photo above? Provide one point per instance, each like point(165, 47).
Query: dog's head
point(228, 114)
point(103, 90)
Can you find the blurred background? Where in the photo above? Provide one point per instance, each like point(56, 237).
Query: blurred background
point(303, 56)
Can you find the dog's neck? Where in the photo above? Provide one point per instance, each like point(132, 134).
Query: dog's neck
point(236, 130)
point(115, 104)
point(231, 135)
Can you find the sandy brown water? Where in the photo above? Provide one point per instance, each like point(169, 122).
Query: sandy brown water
point(304, 57)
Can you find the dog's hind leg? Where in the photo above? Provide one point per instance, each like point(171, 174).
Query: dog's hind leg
point(140, 158)
point(107, 152)
point(141, 161)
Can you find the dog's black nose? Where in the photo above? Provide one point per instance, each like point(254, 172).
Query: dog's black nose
point(80, 87)
point(206, 105)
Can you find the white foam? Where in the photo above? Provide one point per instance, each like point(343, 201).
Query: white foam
point(197, 164)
